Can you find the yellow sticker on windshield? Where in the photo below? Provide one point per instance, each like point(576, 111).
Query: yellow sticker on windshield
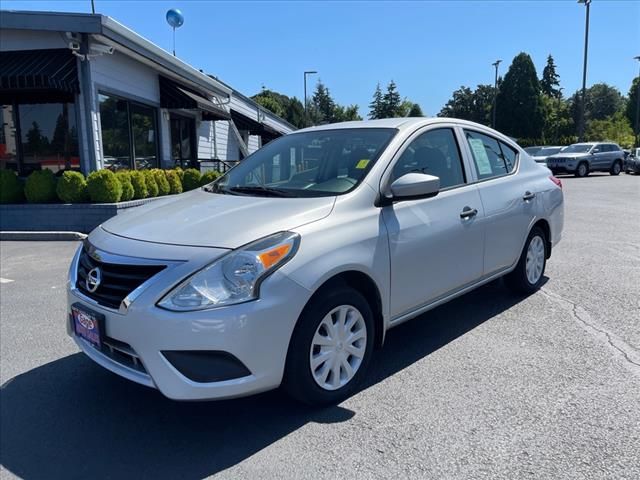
point(362, 164)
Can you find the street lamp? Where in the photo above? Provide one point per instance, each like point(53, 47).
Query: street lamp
point(581, 127)
point(637, 127)
point(310, 72)
point(495, 93)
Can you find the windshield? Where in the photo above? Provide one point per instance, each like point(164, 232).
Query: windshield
point(545, 152)
point(578, 148)
point(532, 150)
point(309, 164)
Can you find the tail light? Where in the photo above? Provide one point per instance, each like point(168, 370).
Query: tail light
point(557, 181)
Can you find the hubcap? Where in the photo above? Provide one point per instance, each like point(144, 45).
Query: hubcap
point(338, 347)
point(535, 260)
point(582, 169)
point(616, 168)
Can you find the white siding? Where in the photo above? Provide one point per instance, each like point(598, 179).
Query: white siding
point(206, 145)
point(123, 74)
point(254, 143)
point(222, 138)
point(31, 40)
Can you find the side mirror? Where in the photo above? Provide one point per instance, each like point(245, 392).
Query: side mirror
point(415, 185)
point(595, 150)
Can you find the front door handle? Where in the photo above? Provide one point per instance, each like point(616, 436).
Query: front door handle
point(528, 196)
point(468, 212)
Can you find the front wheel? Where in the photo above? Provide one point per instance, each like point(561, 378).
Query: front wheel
point(616, 168)
point(330, 348)
point(582, 170)
point(527, 277)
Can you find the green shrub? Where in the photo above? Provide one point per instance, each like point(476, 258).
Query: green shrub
point(11, 190)
point(139, 183)
point(150, 180)
point(72, 187)
point(124, 177)
point(41, 187)
point(180, 173)
point(161, 180)
point(208, 177)
point(104, 187)
point(175, 184)
point(191, 179)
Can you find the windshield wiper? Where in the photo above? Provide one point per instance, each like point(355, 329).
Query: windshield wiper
point(217, 189)
point(261, 189)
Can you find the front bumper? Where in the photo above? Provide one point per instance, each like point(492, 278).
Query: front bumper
point(256, 333)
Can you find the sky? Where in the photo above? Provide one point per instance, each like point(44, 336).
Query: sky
point(429, 48)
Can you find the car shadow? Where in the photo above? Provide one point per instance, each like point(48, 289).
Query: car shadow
point(72, 419)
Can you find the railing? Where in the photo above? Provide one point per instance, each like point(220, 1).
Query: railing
point(221, 166)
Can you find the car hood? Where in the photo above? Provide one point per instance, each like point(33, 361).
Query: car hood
point(203, 219)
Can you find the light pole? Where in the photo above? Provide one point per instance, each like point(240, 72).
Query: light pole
point(637, 126)
point(310, 72)
point(495, 93)
point(581, 127)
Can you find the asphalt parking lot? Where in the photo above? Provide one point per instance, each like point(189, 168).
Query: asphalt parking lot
point(488, 386)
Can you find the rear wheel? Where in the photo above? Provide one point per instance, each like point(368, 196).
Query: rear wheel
point(616, 168)
point(582, 170)
point(330, 348)
point(527, 276)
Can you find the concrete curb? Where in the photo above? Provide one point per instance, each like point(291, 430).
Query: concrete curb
point(41, 236)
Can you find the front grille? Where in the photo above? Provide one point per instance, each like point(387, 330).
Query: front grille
point(118, 280)
point(122, 353)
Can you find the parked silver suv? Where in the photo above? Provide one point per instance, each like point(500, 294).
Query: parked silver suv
point(583, 158)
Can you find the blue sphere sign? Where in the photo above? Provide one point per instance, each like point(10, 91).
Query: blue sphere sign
point(175, 18)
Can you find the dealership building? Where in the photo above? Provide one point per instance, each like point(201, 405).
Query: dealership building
point(83, 91)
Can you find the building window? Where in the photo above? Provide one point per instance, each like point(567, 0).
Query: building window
point(183, 139)
point(128, 132)
point(48, 137)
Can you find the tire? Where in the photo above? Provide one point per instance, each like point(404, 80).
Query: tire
point(299, 380)
point(582, 170)
point(519, 280)
point(616, 168)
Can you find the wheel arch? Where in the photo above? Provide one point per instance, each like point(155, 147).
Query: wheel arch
point(543, 224)
point(365, 285)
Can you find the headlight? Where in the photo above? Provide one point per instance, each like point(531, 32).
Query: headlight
point(235, 277)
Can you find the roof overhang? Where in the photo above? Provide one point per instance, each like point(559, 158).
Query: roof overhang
point(108, 28)
point(38, 76)
point(176, 96)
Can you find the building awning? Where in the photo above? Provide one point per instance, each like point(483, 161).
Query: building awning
point(254, 127)
point(38, 76)
point(174, 95)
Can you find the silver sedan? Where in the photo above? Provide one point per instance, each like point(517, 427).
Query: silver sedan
point(290, 268)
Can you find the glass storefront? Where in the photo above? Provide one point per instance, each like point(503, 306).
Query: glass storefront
point(183, 141)
point(128, 132)
point(48, 137)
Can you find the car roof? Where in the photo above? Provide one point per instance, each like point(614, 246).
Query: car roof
point(401, 123)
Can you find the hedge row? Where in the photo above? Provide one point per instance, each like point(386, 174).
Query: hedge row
point(103, 186)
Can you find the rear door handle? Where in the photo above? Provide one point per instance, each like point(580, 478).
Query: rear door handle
point(528, 196)
point(468, 212)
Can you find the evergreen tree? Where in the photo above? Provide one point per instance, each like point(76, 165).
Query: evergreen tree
point(416, 111)
point(550, 83)
point(35, 140)
point(375, 107)
point(323, 105)
point(460, 105)
point(632, 105)
point(391, 102)
point(519, 104)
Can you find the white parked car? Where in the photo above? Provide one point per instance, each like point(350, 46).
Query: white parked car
point(291, 267)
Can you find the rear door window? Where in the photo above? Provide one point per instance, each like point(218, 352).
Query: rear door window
point(488, 157)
